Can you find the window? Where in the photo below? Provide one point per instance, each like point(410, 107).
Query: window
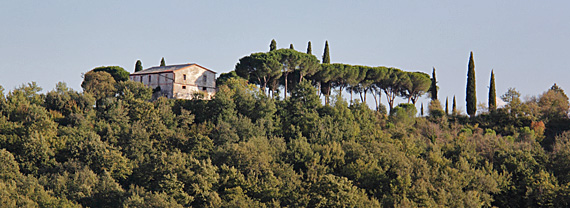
point(184, 77)
point(204, 88)
point(149, 78)
point(205, 78)
point(183, 87)
point(140, 79)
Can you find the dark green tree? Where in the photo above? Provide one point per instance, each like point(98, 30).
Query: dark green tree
point(100, 84)
point(553, 104)
point(309, 48)
point(273, 45)
point(471, 95)
point(446, 106)
point(393, 84)
point(292, 61)
point(162, 62)
point(492, 93)
point(326, 75)
point(301, 109)
point(260, 69)
point(326, 55)
point(435, 110)
point(454, 107)
point(422, 110)
point(415, 85)
point(433, 87)
point(138, 66)
point(291, 46)
point(224, 77)
point(118, 73)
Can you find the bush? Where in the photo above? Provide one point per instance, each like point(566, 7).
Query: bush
point(404, 113)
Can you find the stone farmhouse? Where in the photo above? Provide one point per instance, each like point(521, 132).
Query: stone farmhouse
point(181, 81)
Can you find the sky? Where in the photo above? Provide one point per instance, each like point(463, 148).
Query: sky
point(526, 43)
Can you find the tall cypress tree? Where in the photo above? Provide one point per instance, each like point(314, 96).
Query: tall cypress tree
point(162, 62)
point(422, 110)
point(291, 46)
point(471, 95)
point(433, 87)
point(273, 45)
point(326, 55)
point(309, 48)
point(446, 106)
point(138, 66)
point(454, 107)
point(492, 93)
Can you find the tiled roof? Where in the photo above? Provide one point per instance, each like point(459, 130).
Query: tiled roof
point(170, 68)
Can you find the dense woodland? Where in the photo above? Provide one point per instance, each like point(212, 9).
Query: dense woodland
point(280, 133)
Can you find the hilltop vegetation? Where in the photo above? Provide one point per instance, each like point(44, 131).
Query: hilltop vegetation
point(110, 146)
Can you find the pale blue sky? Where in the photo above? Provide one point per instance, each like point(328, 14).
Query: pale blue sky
point(526, 42)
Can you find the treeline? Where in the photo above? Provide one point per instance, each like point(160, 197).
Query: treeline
point(113, 146)
point(244, 149)
point(285, 68)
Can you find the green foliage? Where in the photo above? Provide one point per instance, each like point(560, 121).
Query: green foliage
point(301, 110)
point(245, 149)
point(262, 69)
point(326, 54)
point(162, 62)
point(514, 103)
point(433, 87)
point(133, 90)
point(492, 93)
point(118, 73)
point(224, 77)
point(415, 85)
point(266, 69)
point(471, 95)
point(404, 113)
point(454, 111)
point(553, 104)
point(100, 84)
point(138, 66)
point(446, 106)
point(309, 48)
point(435, 109)
point(273, 45)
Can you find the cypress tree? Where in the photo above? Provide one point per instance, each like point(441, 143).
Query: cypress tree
point(471, 95)
point(433, 87)
point(492, 93)
point(454, 107)
point(291, 46)
point(138, 66)
point(162, 62)
point(309, 48)
point(273, 45)
point(446, 106)
point(422, 110)
point(326, 55)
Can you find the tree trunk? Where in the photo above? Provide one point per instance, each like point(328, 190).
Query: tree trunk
point(379, 98)
point(375, 100)
point(286, 74)
point(390, 99)
point(263, 85)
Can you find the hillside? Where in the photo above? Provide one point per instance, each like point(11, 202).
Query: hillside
point(244, 149)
